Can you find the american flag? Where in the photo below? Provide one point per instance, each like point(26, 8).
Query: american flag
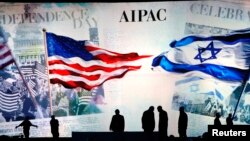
point(82, 64)
point(40, 71)
point(32, 86)
point(9, 101)
point(27, 70)
point(6, 57)
point(84, 97)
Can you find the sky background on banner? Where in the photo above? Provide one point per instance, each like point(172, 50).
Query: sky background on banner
point(137, 90)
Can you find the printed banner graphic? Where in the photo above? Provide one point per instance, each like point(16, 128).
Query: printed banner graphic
point(82, 61)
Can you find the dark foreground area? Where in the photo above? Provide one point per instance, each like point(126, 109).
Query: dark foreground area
point(93, 139)
point(104, 136)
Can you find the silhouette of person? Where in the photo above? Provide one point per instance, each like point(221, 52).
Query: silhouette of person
point(217, 119)
point(117, 122)
point(182, 123)
point(148, 120)
point(163, 124)
point(54, 125)
point(229, 120)
point(148, 123)
point(26, 126)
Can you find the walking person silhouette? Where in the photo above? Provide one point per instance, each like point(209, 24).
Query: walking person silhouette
point(54, 126)
point(117, 122)
point(182, 123)
point(26, 126)
point(163, 124)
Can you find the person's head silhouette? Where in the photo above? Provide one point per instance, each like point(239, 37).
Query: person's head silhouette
point(52, 117)
point(151, 108)
point(117, 112)
point(181, 109)
point(27, 118)
point(217, 115)
point(159, 108)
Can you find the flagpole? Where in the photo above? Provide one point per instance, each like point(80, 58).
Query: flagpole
point(47, 64)
point(25, 83)
point(241, 93)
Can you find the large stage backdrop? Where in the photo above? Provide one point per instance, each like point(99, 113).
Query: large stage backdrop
point(98, 57)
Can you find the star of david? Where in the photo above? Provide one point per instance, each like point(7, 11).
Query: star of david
point(210, 47)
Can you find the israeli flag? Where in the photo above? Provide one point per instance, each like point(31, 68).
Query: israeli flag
point(224, 57)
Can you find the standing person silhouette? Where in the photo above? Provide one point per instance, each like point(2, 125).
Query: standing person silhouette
point(117, 122)
point(182, 123)
point(229, 120)
point(148, 123)
point(26, 126)
point(54, 126)
point(148, 120)
point(217, 119)
point(163, 124)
